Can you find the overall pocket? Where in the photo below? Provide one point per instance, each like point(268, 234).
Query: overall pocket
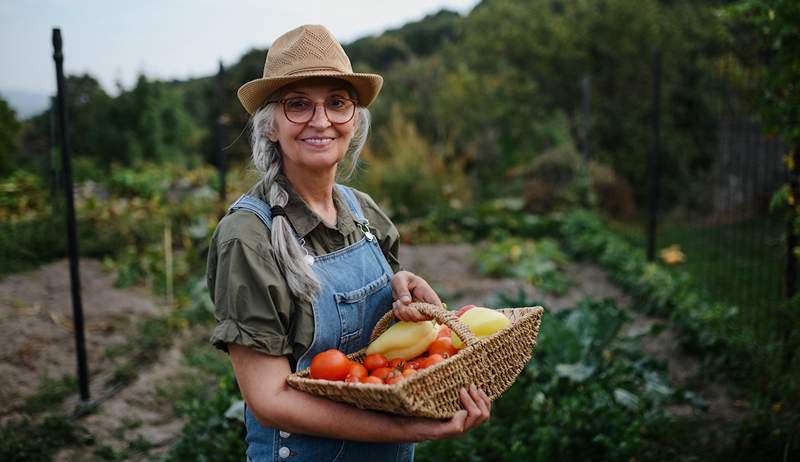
point(354, 310)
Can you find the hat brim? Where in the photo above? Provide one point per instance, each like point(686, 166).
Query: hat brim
point(255, 92)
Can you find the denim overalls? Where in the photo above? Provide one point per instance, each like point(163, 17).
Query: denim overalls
point(355, 293)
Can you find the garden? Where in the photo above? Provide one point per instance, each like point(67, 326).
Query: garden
point(480, 155)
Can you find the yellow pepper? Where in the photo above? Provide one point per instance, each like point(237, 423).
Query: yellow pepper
point(405, 340)
point(482, 322)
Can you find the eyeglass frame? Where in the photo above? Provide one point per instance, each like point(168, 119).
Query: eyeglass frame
point(314, 112)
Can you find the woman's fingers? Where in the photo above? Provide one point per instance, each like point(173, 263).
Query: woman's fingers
point(407, 287)
point(482, 401)
point(405, 312)
point(473, 411)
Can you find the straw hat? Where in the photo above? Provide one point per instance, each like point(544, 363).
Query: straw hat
point(308, 51)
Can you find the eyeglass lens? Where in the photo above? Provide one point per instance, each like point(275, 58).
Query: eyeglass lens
point(339, 110)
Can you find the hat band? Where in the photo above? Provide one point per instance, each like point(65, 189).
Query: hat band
point(316, 69)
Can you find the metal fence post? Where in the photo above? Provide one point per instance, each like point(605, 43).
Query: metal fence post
point(652, 161)
point(221, 120)
point(72, 247)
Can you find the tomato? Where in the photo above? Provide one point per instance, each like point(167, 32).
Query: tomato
point(444, 331)
point(431, 360)
point(414, 364)
point(330, 365)
point(375, 361)
point(358, 370)
point(409, 372)
point(395, 378)
point(442, 346)
point(371, 379)
point(397, 363)
point(382, 372)
point(352, 379)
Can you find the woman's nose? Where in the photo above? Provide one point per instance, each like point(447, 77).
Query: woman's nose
point(319, 119)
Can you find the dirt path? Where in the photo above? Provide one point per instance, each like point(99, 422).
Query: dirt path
point(37, 358)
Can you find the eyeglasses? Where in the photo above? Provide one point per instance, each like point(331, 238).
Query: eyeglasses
point(299, 109)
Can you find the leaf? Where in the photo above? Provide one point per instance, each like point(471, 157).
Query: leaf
point(626, 398)
point(236, 411)
point(577, 372)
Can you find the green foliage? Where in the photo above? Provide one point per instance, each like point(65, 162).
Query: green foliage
point(703, 325)
point(409, 167)
point(23, 440)
point(502, 89)
point(147, 123)
point(541, 262)
point(588, 394)
point(208, 434)
point(769, 42)
point(9, 131)
point(479, 222)
point(51, 393)
point(746, 345)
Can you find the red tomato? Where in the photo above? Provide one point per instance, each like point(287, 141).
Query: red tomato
point(358, 370)
point(397, 363)
point(395, 378)
point(411, 365)
point(330, 365)
point(442, 346)
point(382, 372)
point(431, 360)
point(375, 361)
point(352, 379)
point(444, 331)
point(371, 379)
point(409, 372)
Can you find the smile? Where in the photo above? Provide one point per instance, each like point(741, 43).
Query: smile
point(318, 141)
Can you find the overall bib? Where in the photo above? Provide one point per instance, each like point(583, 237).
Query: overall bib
point(355, 293)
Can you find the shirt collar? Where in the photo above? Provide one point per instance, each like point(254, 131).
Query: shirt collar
point(303, 219)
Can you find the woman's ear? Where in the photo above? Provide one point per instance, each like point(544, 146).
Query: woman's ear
point(272, 136)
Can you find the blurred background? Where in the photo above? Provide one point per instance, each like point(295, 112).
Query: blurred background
point(630, 165)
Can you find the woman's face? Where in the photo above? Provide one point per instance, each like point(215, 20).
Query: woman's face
point(317, 145)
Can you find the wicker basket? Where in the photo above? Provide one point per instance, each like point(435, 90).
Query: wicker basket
point(491, 363)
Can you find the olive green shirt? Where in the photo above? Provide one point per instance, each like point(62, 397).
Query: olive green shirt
point(254, 307)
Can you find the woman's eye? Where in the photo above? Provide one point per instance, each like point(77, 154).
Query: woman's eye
point(337, 103)
point(298, 104)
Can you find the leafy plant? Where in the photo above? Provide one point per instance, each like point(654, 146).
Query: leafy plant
point(541, 262)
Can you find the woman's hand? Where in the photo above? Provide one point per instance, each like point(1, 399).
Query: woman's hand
point(407, 287)
point(477, 410)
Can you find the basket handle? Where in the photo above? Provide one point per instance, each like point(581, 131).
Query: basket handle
point(439, 314)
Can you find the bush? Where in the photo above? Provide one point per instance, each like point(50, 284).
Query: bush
point(208, 434)
point(541, 262)
point(557, 180)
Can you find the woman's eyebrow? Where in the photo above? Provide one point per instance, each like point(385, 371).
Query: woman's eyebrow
point(333, 90)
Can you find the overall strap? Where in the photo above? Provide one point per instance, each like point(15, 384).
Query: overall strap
point(352, 201)
point(254, 205)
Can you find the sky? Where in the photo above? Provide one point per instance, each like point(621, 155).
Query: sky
point(116, 40)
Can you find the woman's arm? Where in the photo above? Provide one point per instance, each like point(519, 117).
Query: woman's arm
point(262, 381)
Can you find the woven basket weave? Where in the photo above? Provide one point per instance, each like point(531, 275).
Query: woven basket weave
point(492, 363)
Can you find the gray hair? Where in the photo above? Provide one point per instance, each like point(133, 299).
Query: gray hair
point(303, 282)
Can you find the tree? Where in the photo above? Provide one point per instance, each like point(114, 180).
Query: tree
point(9, 131)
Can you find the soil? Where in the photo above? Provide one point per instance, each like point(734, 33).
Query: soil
point(35, 313)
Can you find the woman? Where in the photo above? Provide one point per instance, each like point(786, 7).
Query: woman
point(301, 264)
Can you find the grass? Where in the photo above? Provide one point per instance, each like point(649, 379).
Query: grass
point(51, 393)
point(739, 263)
